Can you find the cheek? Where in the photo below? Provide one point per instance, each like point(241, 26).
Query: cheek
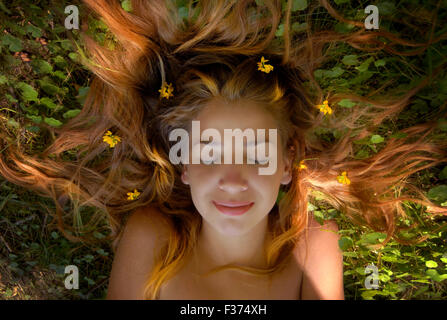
point(201, 178)
point(267, 186)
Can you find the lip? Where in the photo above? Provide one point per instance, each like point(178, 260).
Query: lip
point(233, 208)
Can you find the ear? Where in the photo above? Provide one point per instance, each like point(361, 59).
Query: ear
point(184, 176)
point(287, 175)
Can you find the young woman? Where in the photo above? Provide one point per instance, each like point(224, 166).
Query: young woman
point(235, 203)
point(213, 230)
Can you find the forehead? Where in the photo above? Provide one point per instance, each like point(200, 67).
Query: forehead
point(243, 114)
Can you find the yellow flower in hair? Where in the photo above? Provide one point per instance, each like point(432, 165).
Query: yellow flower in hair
point(166, 91)
point(343, 179)
point(264, 67)
point(133, 195)
point(302, 166)
point(325, 108)
point(111, 139)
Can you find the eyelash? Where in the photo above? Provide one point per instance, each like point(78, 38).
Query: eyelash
point(256, 162)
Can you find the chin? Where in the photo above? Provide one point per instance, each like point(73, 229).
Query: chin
point(232, 228)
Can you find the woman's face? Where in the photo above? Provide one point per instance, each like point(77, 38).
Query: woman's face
point(219, 191)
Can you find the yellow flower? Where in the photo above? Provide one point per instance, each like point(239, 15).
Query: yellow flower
point(325, 107)
point(264, 67)
point(133, 195)
point(343, 179)
point(166, 91)
point(112, 140)
point(302, 166)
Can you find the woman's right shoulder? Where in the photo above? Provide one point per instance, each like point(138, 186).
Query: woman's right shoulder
point(147, 218)
point(147, 224)
point(145, 233)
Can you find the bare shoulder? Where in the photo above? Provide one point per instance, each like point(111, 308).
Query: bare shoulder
point(144, 233)
point(321, 261)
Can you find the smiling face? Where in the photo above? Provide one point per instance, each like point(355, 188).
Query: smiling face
point(221, 192)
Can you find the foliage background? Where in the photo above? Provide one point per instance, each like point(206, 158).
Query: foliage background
point(43, 82)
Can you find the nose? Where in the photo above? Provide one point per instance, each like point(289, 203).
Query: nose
point(232, 181)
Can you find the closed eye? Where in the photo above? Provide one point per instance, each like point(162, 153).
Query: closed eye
point(260, 161)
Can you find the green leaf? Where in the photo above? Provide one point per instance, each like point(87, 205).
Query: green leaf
point(11, 98)
point(28, 92)
point(47, 86)
point(345, 243)
point(334, 72)
point(384, 277)
point(102, 252)
point(12, 123)
point(341, 1)
point(67, 45)
point(365, 65)
point(41, 66)
point(386, 8)
point(443, 174)
point(33, 129)
point(351, 254)
point(14, 44)
point(183, 12)
point(346, 103)
point(361, 77)
point(372, 238)
point(280, 31)
point(376, 139)
point(36, 119)
point(60, 62)
point(73, 56)
point(434, 275)
point(420, 291)
point(343, 27)
point(299, 5)
point(431, 264)
point(71, 114)
point(311, 207)
point(299, 27)
point(380, 63)
point(438, 193)
point(89, 281)
point(83, 91)
point(362, 154)
point(47, 102)
point(59, 74)
point(350, 60)
point(3, 79)
point(35, 32)
point(319, 216)
point(53, 122)
point(281, 194)
point(126, 5)
point(369, 294)
point(363, 141)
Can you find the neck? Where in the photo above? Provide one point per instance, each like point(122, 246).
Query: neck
point(216, 249)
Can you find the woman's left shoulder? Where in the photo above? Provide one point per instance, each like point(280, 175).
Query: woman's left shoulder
point(321, 261)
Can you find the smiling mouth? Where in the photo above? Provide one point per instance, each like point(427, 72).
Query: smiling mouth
point(233, 208)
